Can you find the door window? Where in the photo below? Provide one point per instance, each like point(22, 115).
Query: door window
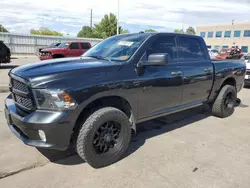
point(74, 46)
point(85, 46)
point(191, 49)
point(164, 44)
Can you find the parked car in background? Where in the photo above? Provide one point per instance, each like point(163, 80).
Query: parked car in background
point(246, 58)
point(229, 53)
point(94, 102)
point(213, 53)
point(5, 53)
point(51, 45)
point(65, 49)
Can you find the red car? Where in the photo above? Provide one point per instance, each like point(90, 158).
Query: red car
point(229, 53)
point(65, 49)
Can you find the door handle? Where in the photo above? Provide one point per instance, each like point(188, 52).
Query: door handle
point(207, 70)
point(178, 73)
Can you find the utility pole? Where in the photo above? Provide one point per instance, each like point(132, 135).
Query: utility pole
point(91, 18)
point(117, 29)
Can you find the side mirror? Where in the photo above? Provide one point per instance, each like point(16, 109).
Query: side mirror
point(156, 59)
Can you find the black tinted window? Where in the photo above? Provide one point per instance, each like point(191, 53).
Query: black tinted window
point(74, 46)
point(164, 44)
point(2, 46)
point(190, 48)
point(85, 46)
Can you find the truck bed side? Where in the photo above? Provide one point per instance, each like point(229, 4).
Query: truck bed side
point(227, 71)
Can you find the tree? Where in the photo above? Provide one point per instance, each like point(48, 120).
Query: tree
point(2, 29)
point(190, 30)
point(125, 31)
point(179, 31)
point(107, 27)
point(45, 31)
point(150, 30)
point(86, 32)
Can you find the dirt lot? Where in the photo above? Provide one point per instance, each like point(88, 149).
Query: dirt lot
point(189, 149)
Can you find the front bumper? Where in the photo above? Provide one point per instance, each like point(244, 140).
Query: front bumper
point(57, 126)
point(247, 82)
point(6, 59)
point(45, 57)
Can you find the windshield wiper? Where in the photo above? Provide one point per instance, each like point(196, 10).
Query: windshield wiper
point(99, 57)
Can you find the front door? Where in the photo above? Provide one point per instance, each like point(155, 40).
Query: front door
point(74, 50)
point(161, 86)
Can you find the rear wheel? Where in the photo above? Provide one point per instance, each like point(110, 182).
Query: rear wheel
point(58, 56)
point(225, 102)
point(104, 137)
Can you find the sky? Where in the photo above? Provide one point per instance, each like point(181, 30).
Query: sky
point(68, 16)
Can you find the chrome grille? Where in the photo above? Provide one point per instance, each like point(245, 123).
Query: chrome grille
point(22, 95)
point(27, 102)
point(20, 86)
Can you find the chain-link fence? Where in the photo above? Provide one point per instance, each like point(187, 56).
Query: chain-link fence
point(29, 44)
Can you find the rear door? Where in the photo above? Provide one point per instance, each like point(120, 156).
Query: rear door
point(74, 50)
point(84, 47)
point(197, 69)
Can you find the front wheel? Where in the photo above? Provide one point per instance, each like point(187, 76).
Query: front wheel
point(104, 137)
point(225, 102)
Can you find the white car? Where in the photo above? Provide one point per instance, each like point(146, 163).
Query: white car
point(246, 58)
point(213, 53)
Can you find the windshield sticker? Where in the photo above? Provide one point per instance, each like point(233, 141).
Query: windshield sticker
point(125, 43)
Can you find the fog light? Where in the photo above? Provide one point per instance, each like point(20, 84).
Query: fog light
point(42, 135)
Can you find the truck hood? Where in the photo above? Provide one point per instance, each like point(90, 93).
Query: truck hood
point(52, 49)
point(64, 65)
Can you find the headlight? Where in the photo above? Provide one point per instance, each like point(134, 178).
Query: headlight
point(53, 99)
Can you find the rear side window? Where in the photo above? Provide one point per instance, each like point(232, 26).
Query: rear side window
point(74, 46)
point(190, 49)
point(164, 44)
point(85, 46)
point(2, 46)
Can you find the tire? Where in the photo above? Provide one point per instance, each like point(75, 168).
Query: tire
point(58, 56)
point(89, 148)
point(225, 102)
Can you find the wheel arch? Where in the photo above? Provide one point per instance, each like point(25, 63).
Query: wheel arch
point(228, 81)
point(219, 84)
point(58, 55)
point(119, 102)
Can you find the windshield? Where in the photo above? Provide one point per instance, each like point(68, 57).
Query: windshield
point(51, 45)
point(117, 48)
point(246, 57)
point(63, 45)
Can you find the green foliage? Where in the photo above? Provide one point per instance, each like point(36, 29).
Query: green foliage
point(105, 28)
point(190, 30)
point(2, 29)
point(179, 31)
point(45, 31)
point(124, 31)
point(150, 30)
point(86, 32)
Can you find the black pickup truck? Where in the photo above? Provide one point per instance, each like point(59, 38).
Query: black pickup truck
point(93, 102)
point(5, 54)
